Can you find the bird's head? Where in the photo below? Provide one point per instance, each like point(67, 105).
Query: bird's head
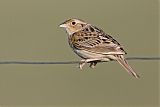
point(73, 25)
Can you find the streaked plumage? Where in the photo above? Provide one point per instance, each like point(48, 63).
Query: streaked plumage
point(94, 45)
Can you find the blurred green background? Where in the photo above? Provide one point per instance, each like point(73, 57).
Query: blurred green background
point(29, 31)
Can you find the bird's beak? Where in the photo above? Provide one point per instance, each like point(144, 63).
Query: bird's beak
point(63, 25)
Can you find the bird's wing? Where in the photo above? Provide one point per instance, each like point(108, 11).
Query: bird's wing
point(95, 40)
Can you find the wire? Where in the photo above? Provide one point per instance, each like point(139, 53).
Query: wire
point(70, 62)
point(143, 58)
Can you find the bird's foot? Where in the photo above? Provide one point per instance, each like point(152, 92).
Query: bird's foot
point(93, 64)
point(84, 61)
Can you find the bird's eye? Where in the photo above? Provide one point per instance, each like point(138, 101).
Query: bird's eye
point(73, 23)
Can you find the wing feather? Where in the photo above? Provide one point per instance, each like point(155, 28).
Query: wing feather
point(95, 40)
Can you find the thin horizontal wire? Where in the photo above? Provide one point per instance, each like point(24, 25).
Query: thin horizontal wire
point(70, 62)
point(143, 58)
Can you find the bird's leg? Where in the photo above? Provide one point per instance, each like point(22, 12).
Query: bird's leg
point(84, 61)
point(93, 64)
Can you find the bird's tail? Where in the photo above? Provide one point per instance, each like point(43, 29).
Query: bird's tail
point(124, 63)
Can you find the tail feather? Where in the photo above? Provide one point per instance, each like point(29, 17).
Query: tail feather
point(124, 63)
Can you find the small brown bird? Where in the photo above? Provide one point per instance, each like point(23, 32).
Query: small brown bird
point(94, 45)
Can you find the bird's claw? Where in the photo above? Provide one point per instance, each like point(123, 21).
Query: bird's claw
point(82, 63)
point(92, 64)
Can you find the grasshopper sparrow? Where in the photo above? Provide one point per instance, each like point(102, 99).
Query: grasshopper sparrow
point(94, 45)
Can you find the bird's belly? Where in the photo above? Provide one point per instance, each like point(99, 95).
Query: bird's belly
point(88, 55)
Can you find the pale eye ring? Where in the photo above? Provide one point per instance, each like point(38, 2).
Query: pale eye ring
point(73, 23)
